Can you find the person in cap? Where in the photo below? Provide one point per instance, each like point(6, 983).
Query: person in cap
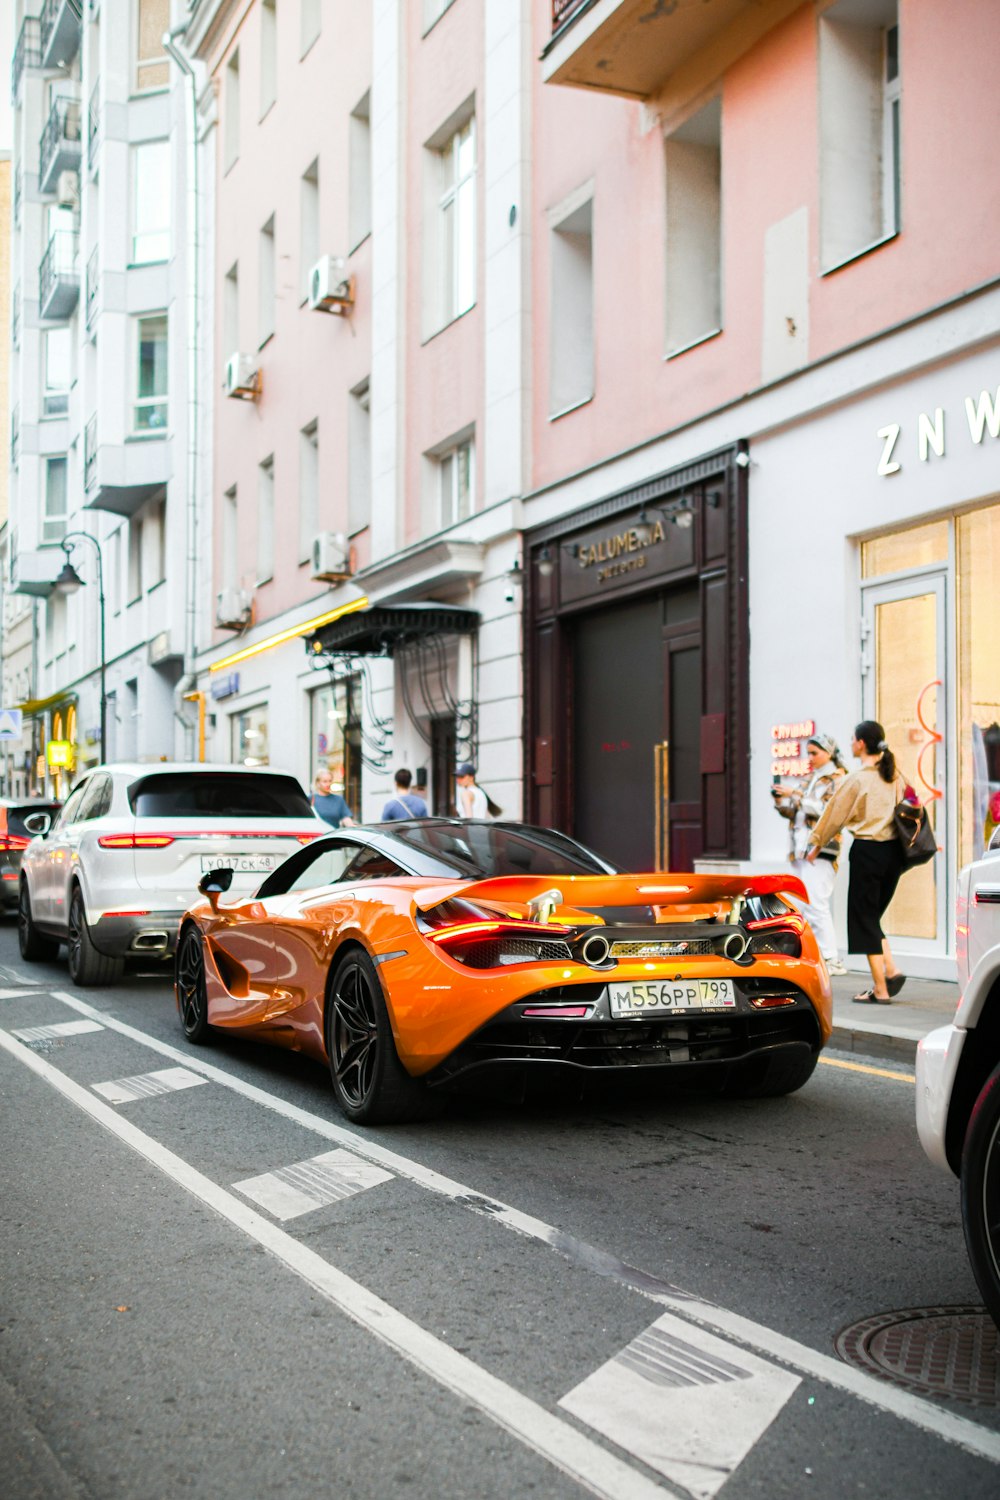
point(470, 799)
point(803, 807)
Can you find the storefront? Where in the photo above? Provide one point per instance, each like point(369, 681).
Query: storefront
point(335, 736)
point(637, 690)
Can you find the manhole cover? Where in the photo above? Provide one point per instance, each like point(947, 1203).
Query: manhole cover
point(938, 1351)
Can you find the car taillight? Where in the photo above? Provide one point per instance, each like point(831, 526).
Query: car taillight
point(493, 944)
point(307, 838)
point(780, 936)
point(10, 841)
point(135, 840)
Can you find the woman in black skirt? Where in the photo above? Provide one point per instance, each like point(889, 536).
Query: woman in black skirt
point(864, 804)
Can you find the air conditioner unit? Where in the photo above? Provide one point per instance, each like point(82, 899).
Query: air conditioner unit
point(242, 377)
point(331, 288)
point(68, 189)
point(234, 609)
point(331, 557)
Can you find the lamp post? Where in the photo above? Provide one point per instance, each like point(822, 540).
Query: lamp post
point(68, 582)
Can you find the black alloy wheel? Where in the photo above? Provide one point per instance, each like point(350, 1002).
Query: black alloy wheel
point(190, 987)
point(88, 967)
point(370, 1082)
point(981, 1192)
point(33, 945)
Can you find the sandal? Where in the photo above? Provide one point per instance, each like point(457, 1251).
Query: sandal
point(870, 998)
point(894, 983)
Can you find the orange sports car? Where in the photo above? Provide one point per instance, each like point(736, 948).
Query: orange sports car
point(409, 955)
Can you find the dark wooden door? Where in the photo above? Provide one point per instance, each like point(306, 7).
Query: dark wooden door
point(443, 749)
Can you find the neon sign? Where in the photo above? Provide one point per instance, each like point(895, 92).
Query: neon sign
point(788, 747)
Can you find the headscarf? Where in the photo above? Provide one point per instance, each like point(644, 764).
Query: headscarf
point(829, 744)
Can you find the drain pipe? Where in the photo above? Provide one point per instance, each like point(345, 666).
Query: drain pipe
point(189, 679)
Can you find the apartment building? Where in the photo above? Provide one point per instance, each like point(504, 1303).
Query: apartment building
point(100, 423)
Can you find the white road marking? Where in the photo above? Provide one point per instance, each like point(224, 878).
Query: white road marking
point(299, 1189)
point(59, 1028)
point(950, 1426)
point(555, 1440)
point(683, 1403)
point(145, 1085)
point(24, 989)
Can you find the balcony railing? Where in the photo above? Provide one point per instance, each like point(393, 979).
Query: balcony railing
point(563, 10)
point(27, 53)
point(60, 32)
point(90, 453)
point(91, 290)
point(59, 276)
point(60, 145)
point(93, 128)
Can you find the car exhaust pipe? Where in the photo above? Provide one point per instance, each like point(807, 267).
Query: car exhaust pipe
point(595, 950)
point(735, 946)
point(150, 942)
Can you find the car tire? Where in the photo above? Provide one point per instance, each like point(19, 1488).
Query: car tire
point(87, 966)
point(981, 1192)
point(770, 1077)
point(34, 946)
point(190, 988)
point(370, 1082)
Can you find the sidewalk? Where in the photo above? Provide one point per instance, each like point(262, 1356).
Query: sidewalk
point(889, 1030)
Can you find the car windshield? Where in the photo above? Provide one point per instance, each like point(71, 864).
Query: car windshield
point(480, 850)
point(218, 794)
point(17, 815)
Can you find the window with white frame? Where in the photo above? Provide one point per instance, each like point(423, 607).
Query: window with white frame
point(859, 128)
point(155, 543)
point(359, 458)
point(456, 471)
point(231, 109)
point(308, 223)
point(359, 150)
point(58, 371)
point(308, 488)
point(152, 70)
point(693, 161)
point(450, 262)
point(133, 582)
point(268, 54)
point(229, 572)
point(150, 202)
point(115, 571)
point(56, 500)
point(266, 271)
point(265, 520)
point(311, 16)
point(571, 340)
point(150, 411)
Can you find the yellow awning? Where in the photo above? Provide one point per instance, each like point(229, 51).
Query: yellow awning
point(34, 706)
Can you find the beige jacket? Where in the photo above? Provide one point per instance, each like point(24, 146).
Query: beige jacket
point(863, 804)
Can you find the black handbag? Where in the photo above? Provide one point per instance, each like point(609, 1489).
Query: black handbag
point(915, 832)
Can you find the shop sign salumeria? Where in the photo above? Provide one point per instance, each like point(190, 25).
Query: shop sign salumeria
point(618, 553)
point(982, 413)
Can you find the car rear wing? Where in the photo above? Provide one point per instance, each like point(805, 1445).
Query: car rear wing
point(584, 891)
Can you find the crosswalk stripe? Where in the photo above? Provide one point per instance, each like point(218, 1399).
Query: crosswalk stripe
point(298, 1189)
point(145, 1085)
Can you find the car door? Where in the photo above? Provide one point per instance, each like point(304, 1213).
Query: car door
point(50, 860)
point(305, 917)
point(96, 792)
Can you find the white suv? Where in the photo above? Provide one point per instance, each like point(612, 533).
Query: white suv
point(120, 863)
point(958, 1073)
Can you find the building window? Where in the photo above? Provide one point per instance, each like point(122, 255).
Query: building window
point(152, 70)
point(308, 489)
point(859, 128)
point(309, 223)
point(335, 737)
point(266, 283)
point(265, 520)
point(58, 371)
point(133, 583)
point(155, 542)
point(231, 106)
point(56, 500)
point(457, 482)
point(115, 572)
point(359, 198)
point(312, 21)
point(693, 156)
point(150, 202)
point(230, 572)
point(359, 458)
point(450, 274)
point(250, 747)
point(571, 365)
point(268, 55)
point(151, 375)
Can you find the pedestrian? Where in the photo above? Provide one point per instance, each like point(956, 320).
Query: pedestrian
point(328, 804)
point(863, 804)
point(803, 807)
point(404, 804)
point(471, 800)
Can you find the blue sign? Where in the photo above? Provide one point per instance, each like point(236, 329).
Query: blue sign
point(225, 687)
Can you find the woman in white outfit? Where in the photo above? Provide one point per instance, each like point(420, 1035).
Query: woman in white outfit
point(803, 806)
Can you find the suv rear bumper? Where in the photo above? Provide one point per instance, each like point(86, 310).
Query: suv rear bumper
point(150, 934)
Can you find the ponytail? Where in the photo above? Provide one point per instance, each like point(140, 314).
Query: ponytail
point(872, 736)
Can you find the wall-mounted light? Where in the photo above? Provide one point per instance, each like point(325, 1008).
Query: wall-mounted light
point(644, 528)
point(546, 563)
point(742, 460)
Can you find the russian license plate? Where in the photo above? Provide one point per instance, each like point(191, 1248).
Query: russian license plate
point(658, 997)
point(241, 864)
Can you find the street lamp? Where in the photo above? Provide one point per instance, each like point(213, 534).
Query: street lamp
point(68, 582)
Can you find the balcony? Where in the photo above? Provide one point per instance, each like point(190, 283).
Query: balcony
point(636, 48)
point(61, 144)
point(120, 476)
point(60, 32)
point(27, 53)
point(59, 276)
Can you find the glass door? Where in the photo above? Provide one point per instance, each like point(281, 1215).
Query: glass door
point(904, 666)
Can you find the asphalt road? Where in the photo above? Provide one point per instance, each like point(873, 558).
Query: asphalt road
point(611, 1296)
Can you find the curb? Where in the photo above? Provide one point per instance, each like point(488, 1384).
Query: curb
point(874, 1044)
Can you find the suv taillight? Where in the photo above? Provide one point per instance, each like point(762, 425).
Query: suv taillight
point(135, 840)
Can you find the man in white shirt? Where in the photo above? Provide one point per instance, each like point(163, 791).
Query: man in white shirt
point(470, 799)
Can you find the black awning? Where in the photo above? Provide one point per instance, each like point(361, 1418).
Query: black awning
point(383, 629)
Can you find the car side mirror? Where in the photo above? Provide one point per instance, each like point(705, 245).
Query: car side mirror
point(215, 883)
point(38, 823)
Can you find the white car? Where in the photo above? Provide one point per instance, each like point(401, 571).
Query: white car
point(958, 1074)
point(114, 871)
